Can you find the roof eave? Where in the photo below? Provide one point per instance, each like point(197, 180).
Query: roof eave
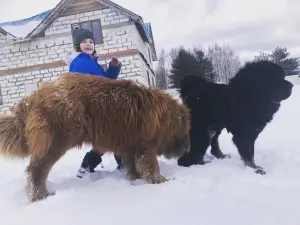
point(142, 31)
point(137, 19)
point(60, 7)
point(151, 42)
point(2, 31)
point(120, 8)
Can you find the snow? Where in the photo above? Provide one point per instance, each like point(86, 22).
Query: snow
point(21, 31)
point(222, 192)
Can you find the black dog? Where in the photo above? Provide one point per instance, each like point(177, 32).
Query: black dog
point(243, 107)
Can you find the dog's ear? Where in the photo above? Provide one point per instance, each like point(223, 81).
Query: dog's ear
point(189, 83)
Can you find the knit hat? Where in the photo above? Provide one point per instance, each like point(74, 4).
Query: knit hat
point(79, 35)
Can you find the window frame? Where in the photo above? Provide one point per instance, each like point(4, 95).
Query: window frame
point(92, 29)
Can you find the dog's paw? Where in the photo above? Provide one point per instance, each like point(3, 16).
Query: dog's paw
point(228, 156)
point(224, 156)
point(260, 171)
point(203, 162)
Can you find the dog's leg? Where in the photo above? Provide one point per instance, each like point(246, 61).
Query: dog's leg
point(38, 171)
point(128, 161)
point(245, 146)
point(199, 144)
point(215, 147)
point(147, 166)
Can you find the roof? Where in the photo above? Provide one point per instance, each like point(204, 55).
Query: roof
point(21, 28)
point(150, 37)
point(2, 31)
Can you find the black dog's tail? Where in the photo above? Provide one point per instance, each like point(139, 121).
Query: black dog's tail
point(189, 83)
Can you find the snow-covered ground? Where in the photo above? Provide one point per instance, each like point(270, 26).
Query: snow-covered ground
point(222, 192)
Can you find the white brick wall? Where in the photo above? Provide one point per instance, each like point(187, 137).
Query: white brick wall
point(137, 70)
point(38, 51)
point(144, 71)
point(116, 39)
point(107, 17)
point(144, 48)
point(130, 66)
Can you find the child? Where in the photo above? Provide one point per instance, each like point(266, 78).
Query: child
point(84, 60)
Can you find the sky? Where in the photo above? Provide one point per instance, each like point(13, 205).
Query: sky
point(248, 27)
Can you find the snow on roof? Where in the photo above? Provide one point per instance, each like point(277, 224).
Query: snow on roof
point(21, 28)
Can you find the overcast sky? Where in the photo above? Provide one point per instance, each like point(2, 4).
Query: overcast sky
point(248, 26)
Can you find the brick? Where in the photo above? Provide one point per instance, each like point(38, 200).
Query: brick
point(98, 12)
point(106, 10)
point(113, 50)
point(103, 51)
point(38, 76)
point(111, 14)
point(10, 84)
point(126, 44)
point(89, 14)
point(124, 20)
point(71, 17)
point(126, 70)
point(115, 21)
point(105, 23)
point(118, 16)
point(95, 17)
point(21, 79)
point(59, 19)
point(83, 19)
point(122, 49)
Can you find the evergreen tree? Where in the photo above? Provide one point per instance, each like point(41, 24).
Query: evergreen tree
point(281, 56)
point(206, 64)
point(189, 62)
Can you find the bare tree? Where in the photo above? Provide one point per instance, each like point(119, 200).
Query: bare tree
point(161, 71)
point(224, 61)
point(262, 56)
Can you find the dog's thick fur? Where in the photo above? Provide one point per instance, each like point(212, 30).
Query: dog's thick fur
point(116, 116)
point(243, 107)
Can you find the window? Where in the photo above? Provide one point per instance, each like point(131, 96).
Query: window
point(94, 26)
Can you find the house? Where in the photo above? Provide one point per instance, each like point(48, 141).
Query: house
point(32, 49)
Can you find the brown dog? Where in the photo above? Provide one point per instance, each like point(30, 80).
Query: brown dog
point(116, 116)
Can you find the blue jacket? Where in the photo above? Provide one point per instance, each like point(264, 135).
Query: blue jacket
point(80, 62)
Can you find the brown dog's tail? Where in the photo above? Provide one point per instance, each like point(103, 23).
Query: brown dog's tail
point(12, 140)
